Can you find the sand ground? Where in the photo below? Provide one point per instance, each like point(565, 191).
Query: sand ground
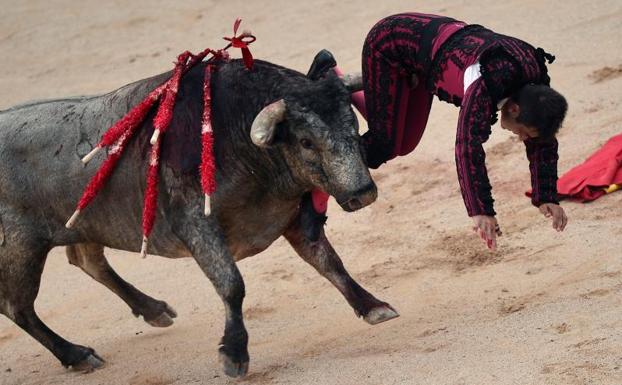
point(543, 309)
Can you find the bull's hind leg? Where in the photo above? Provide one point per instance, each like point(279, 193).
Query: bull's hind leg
point(91, 259)
point(21, 265)
point(321, 255)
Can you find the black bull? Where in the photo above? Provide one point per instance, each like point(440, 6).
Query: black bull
point(313, 142)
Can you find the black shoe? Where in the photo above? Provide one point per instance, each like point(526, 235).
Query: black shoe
point(311, 222)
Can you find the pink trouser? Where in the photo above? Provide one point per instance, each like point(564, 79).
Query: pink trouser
point(413, 113)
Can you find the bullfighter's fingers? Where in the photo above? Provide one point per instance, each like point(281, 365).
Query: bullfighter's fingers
point(558, 220)
point(565, 221)
point(481, 233)
point(492, 237)
point(544, 209)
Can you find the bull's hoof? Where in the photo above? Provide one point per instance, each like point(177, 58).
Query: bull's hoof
point(380, 314)
point(163, 320)
point(233, 367)
point(91, 362)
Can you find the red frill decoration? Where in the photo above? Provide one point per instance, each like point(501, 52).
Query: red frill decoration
point(132, 119)
point(208, 166)
point(99, 179)
point(165, 111)
point(122, 131)
point(151, 194)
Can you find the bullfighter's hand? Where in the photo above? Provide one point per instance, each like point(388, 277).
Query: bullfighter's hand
point(487, 228)
point(555, 211)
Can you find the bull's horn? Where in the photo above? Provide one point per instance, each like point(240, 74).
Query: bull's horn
point(264, 125)
point(353, 82)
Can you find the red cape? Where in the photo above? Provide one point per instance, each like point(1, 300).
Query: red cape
point(588, 180)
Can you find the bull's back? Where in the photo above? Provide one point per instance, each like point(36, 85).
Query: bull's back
point(42, 177)
point(39, 165)
point(38, 146)
point(41, 143)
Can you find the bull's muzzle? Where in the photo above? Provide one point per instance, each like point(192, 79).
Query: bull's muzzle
point(361, 198)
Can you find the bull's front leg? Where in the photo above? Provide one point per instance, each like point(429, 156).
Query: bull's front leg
point(204, 239)
point(321, 255)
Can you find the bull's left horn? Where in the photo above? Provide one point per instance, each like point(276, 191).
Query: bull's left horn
point(353, 82)
point(264, 125)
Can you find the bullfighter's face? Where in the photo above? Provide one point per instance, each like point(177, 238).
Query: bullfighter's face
point(509, 114)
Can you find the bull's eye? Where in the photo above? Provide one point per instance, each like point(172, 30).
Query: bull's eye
point(306, 143)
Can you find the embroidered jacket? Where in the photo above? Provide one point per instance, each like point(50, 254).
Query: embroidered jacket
point(506, 65)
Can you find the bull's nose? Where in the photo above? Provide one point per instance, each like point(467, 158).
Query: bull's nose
point(353, 205)
point(361, 198)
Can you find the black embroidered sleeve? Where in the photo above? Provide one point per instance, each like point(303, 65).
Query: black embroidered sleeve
point(473, 130)
point(501, 73)
point(543, 158)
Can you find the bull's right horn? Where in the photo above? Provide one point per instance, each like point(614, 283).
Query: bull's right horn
point(264, 125)
point(353, 82)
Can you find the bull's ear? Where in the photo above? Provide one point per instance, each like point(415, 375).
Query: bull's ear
point(322, 62)
point(264, 125)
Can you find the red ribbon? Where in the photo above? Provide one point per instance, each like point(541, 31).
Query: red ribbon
point(242, 43)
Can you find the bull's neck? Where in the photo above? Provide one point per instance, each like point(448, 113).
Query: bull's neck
point(282, 181)
point(264, 171)
point(237, 98)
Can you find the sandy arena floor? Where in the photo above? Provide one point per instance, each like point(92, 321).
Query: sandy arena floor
point(543, 309)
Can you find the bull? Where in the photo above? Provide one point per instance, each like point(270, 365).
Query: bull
point(278, 134)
